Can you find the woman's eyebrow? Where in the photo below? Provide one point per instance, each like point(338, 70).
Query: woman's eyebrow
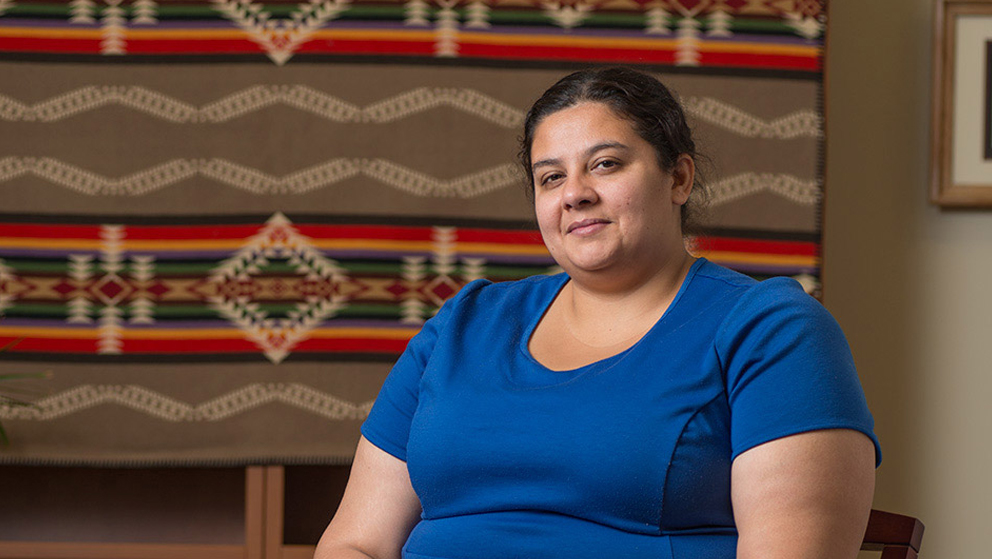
point(588, 153)
point(606, 145)
point(545, 163)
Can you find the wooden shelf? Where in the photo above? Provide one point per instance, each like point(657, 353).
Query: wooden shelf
point(64, 550)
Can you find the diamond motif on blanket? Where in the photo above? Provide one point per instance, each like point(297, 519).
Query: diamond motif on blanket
point(440, 289)
point(111, 289)
point(158, 289)
point(250, 286)
point(63, 288)
point(397, 289)
point(280, 38)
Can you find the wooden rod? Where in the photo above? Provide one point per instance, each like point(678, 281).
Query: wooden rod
point(274, 508)
point(254, 513)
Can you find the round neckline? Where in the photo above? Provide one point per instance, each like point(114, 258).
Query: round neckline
point(605, 363)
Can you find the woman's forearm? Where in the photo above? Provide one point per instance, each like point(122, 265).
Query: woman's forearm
point(377, 511)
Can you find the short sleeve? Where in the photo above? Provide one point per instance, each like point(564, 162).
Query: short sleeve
point(788, 368)
point(388, 423)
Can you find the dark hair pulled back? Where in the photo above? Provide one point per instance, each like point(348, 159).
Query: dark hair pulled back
point(652, 110)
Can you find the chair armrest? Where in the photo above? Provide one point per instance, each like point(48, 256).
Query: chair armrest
point(887, 528)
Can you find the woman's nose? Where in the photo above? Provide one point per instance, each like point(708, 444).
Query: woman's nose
point(578, 192)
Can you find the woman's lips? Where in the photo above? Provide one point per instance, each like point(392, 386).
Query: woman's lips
point(586, 226)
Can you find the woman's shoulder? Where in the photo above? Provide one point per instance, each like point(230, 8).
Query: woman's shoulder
point(753, 308)
point(709, 270)
point(511, 291)
point(483, 299)
point(741, 303)
point(749, 290)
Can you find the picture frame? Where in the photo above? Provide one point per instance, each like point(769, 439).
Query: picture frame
point(961, 133)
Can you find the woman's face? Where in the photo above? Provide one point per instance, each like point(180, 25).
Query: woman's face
point(602, 200)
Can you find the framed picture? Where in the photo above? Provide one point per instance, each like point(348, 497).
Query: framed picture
point(961, 140)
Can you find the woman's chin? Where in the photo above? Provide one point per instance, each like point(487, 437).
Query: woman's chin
point(590, 265)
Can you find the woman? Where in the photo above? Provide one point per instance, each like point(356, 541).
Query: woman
point(644, 404)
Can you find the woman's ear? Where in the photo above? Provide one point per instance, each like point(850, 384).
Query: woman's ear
point(683, 173)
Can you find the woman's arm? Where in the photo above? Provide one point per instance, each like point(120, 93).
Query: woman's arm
point(805, 496)
point(377, 512)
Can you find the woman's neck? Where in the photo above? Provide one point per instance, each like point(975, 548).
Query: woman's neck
point(610, 312)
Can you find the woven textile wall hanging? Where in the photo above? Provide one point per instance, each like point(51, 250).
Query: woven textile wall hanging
point(221, 221)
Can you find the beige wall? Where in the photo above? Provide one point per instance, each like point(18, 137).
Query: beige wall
point(910, 284)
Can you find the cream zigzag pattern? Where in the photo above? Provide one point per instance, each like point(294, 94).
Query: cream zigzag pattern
point(155, 404)
point(259, 97)
point(795, 125)
point(255, 181)
point(803, 192)
point(5, 5)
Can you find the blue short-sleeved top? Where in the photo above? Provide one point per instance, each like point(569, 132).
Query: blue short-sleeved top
point(626, 457)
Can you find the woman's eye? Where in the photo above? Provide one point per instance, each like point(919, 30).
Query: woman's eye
point(607, 164)
point(548, 179)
